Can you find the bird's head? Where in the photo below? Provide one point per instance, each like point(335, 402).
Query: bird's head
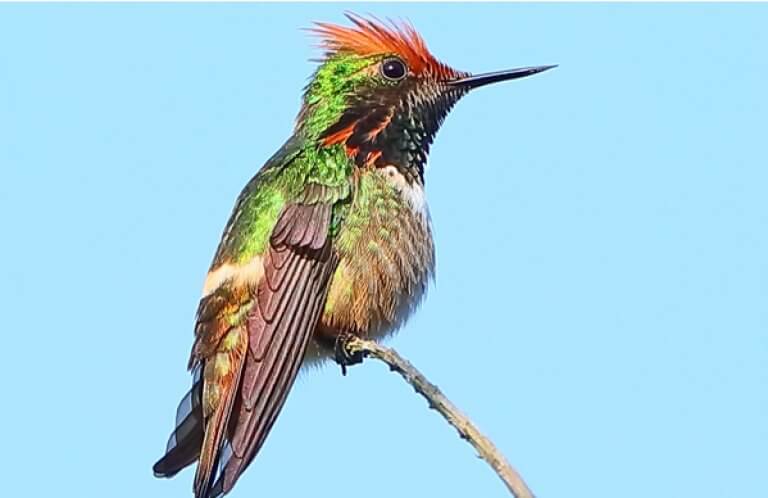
point(381, 95)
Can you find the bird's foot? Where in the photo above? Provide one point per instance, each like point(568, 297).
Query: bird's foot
point(347, 351)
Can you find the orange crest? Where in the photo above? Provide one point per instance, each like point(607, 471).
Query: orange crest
point(372, 36)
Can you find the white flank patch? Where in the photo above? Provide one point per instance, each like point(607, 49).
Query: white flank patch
point(247, 274)
point(413, 194)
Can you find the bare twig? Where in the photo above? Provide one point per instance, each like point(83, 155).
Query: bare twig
point(437, 401)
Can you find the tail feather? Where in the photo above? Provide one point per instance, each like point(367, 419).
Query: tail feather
point(184, 444)
point(225, 381)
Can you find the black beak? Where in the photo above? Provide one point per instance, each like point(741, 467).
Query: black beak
point(478, 80)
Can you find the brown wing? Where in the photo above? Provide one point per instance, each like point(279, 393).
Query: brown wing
point(217, 359)
point(289, 299)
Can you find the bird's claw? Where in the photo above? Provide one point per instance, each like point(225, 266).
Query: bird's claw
point(346, 352)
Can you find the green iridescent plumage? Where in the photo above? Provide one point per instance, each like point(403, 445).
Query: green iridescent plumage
point(327, 95)
point(331, 237)
point(302, 161)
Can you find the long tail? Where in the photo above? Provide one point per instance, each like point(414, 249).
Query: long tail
point(221, 382)
point(184, 444)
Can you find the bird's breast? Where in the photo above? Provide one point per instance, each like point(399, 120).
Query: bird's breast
point(386, 258)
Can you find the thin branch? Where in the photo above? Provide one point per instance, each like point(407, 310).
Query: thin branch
point(437, 401)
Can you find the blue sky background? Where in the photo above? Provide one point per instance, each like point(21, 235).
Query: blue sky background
point(602, 233)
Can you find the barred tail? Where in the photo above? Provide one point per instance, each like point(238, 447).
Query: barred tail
point(186, 439)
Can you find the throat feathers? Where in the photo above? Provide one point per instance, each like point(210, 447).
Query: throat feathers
point(330, 239)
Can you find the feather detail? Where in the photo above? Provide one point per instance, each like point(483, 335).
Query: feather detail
point(375, 37)
point(289, 299)
point(221, 374)
point(184, 443)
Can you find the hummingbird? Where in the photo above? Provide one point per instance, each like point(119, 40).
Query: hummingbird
point(330, 240)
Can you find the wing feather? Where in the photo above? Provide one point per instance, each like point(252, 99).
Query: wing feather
point(249, 343)
point(289, 299)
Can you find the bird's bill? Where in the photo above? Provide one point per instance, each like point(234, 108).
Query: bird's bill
point(477, 80)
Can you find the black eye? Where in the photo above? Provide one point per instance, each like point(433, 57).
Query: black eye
point(393, 69)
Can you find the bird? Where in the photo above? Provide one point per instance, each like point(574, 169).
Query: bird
point(330, 240)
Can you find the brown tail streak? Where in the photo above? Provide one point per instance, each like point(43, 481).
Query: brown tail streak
point(221, 379)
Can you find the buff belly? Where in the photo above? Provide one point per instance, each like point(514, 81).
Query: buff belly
point(386, 262)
